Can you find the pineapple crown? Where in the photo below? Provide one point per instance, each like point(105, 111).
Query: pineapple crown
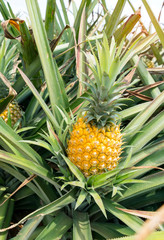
point(105, 86)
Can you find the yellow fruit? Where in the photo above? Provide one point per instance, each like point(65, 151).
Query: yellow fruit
point(15, 113)
point(93, 150)
point(149, 63)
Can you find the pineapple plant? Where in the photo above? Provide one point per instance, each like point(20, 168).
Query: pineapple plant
point(95, 141)
point(80, 199)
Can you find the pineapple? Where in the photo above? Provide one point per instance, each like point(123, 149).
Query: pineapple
point(95, 142)
point(15, 113)
point(12, 108)
point(149, 63)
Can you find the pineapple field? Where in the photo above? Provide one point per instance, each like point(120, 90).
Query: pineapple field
point(81, 122)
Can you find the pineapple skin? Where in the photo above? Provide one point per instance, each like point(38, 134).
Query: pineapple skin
point(94, 150)
point(15, 113)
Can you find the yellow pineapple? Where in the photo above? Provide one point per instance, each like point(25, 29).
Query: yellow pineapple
point(15, 112)
point(149, 63)
point(93, 150)
point(95, 142)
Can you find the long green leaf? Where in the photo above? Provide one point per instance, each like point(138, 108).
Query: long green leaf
point(50, 19)
point(132, 111)
point(14, 139)
point(7, 220)
point(28, 228)
point(153, 236)
point(80, 61)
point(41, 101)
point(53, 78)
point(146, 78)
point(153, 181)
point(148, 132)
point(127, 27)
point(83, 194)
point(81, 226)
point(131, 221)
point(98, 201)
point(64, 9)
point(147, 164)
point(136, 124)
point(106, 230)
point(5, 13)
point(75, 170)
point(28, 166)
point(76, 27)
point(154, 21)
point(114, 18)
point(146, 152)
point(57, 228)
point(49, 208)
point(20, 177)
point(3, 209)
point(60, 23)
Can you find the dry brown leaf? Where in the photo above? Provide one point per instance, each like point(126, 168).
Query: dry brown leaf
point(159, 17)
point(137, 92)
point(76, 109)
point(143, 167)
point(156, 70)
point(24, 183)
point(151, 224)
point(143, 214)
point(55, 42)
point(12, 22)
point(138, 95)
point(145, 88)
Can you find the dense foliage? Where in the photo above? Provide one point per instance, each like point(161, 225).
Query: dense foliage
point(107, 68)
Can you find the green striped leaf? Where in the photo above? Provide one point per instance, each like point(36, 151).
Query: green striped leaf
point(148, 132)
point(41, 101)
point(153, 236)
point(155, 22)
point(50, 19)
point(146, 77)
point(82, 196)
point(15, 173)
point(28, 228)
point(81, 226)
point(28, 166)
point(136, 124)
point(53, 78)
point(153, 181)
point(74, 169)
point(13, 140)
point(57, 228)
point(131, 221)
point(114, 18)
point(98, 201)
point(107, 230)
point(49, 208)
